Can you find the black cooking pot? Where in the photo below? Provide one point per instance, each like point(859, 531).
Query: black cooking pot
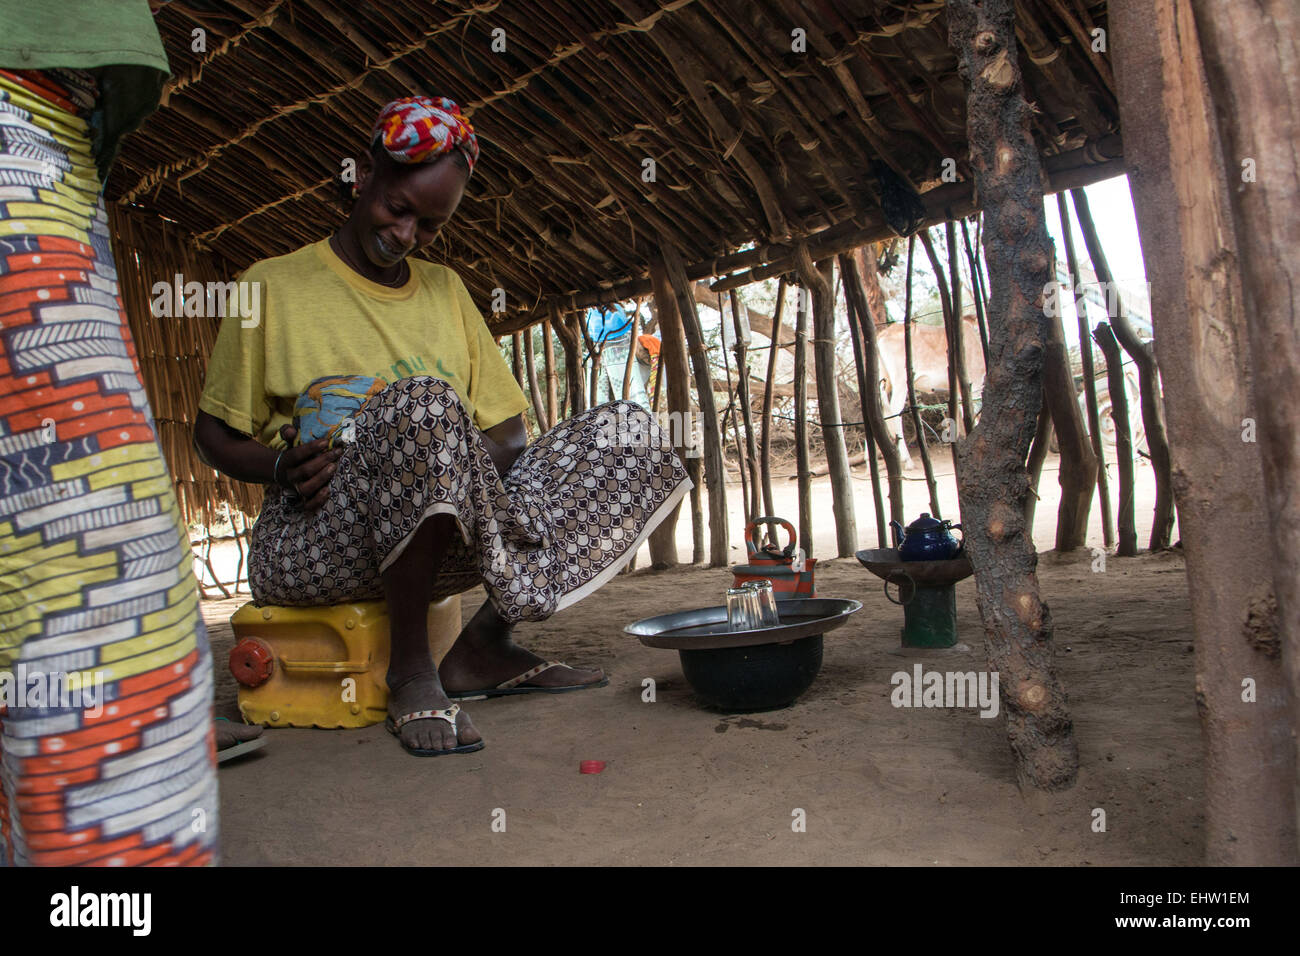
point(753, 678)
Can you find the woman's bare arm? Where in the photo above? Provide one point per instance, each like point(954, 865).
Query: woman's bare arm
point(306, 469)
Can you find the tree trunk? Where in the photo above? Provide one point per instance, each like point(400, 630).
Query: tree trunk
point(530, 373)
point(856, 279)
point(552, 379)
point(801, 420)
point(869, 440)
point(992, 482)
point(765, 449)
point(958, 333)
point(910, 370)
point(1123, 436)
point(977, 293)
point(731, 412)
point(1037, 455)
point(630, 367)
point(1078, 471)
point(821, 281)
point(1153, 413)
point(567, 330)
point(715, 475)
point(945, 302)
point(673, 368)
point(746, 412)
point(1251, 52)
point(1089, 375)
point(517, 360)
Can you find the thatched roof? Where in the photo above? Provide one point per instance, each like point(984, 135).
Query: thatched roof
point(752, 141)
point(758, 145)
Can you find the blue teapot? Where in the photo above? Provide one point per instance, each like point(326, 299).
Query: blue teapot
point(926, 539)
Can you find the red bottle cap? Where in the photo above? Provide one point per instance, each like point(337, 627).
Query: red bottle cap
point(591, 766)
point(251, 662)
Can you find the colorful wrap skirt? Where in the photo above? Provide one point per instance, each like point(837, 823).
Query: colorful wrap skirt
point(565, 518)
point(106, 752)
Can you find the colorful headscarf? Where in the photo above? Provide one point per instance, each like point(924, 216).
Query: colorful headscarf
point(419, 129)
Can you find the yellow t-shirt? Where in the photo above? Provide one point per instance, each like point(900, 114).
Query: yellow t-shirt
point(316, 316)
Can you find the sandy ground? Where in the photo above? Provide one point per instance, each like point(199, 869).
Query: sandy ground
point(684, 785)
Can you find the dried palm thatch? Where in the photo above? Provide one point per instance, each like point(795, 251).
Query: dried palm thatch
point(766, 122)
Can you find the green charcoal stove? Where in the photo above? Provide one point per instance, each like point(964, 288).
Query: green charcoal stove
point(926, 590)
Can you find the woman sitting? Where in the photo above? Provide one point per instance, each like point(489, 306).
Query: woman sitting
point(429, 489)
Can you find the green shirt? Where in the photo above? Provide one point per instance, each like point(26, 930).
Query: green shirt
point(115, 39)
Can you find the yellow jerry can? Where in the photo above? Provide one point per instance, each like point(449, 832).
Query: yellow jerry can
point(322, 666)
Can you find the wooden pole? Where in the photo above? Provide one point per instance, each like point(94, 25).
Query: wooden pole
point(801, 420)
point(630, 366)
point(977, 293)
point(855, 278)
point(594, 352)
point(992, 483)
point(530, 372)
point(1078, 466)
point(517, 360)
point(567, 330)
point(1259, 153)
point(945, 302)
point(821, 282)
point(1034, 466)
point(765, 448)
point(715, 475)
point(1153, 413)
point(552, 379)
point(674, 373)
point(869, 440)
point(1182, 179)
point(1089, 375)
point(746, 412)
point(931, 485)
point(732, 413)
point(958, 334)
point(1123, 436)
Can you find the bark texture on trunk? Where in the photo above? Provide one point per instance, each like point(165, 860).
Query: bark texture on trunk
point(1180, 190)
point(992, 481)
point(1252, 53)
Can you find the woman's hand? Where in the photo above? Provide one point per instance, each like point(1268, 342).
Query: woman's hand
point(307, 469)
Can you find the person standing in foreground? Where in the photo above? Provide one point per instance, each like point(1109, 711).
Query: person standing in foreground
point(106, 741)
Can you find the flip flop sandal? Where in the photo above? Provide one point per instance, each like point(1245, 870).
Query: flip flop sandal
point(448, 714)
point(240, 749)
point(511, 687)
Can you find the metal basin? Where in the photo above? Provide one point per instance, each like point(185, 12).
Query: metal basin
point(747, 671)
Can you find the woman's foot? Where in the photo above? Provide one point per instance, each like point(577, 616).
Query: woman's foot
point(484, 656)
point(230, 734)
point(424, 692)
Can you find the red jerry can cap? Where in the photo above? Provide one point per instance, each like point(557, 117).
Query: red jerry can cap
point(252, 662)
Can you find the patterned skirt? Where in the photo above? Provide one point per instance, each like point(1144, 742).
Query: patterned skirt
point(97, 592)
point(566, 517)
